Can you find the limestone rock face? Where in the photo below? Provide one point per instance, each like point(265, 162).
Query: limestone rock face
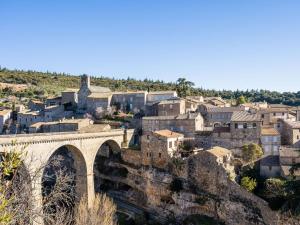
point(204, 188)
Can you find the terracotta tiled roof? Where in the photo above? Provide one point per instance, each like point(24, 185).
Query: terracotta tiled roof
point(269, 131)
point(168, 134)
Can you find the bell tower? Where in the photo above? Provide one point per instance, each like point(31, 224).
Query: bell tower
point(85, 82)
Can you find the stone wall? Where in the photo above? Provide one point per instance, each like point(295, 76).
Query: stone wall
point(133, 157)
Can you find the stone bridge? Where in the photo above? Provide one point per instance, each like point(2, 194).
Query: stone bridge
point(83, 147)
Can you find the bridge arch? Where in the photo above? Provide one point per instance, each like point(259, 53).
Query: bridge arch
point(108, 153)
point(66, 160)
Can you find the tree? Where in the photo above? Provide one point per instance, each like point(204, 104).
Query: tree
point(251, 152)
point(241, 100)
point(275, 188)
point(18, 185)
point(248, 183)
point(183, 87)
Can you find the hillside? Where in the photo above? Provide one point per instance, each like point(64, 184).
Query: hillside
point(49, 84)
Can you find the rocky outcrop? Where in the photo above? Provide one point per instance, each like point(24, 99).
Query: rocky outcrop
point(203, 188)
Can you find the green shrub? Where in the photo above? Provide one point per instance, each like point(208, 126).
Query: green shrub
point(248, 183)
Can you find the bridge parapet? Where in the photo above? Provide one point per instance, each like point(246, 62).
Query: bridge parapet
point(21, 139)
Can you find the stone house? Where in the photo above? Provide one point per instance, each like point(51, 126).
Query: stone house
point(129, 101)
point(5, 115)
point(270, 141)
point(60, 126)
point(52, 113)
point(26, 118)
point(221, 136)
point(157, 96)
point(70, 97)
point(220, 116)
point(269, 166)
point(216, 101)
point(254, 106)
point(35, 105)
point(288, 158)
point(203, 109)
point(198, 99)
point(191, 104)
point(171, 107)
point(271, 116)
point(98, 101)
point(245, 128)
point(186, 124)
point(54, 101)
point(291, 133)
point(159, 147)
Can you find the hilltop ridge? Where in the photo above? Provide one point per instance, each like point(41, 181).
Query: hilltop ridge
point(51, 83)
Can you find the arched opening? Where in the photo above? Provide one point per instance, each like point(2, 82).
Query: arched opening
point(217, 124)
point(64, 182)
point(107, 165)
point(112, 176)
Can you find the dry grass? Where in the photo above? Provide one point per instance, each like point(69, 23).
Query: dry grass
point(102, 212)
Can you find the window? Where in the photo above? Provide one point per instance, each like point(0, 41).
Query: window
point(131, 99)
point(254, 125)
point(170, 144)
point(236, 126)
point(148, 137)
point(274, 114)
point(159, 155)
point(278, 125)
point(283, 113)
point(245, 126)
point(298, 137)
point(171, 106)
point(262, 115)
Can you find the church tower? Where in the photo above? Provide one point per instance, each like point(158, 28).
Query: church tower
point(85, 81)
point(84, 91)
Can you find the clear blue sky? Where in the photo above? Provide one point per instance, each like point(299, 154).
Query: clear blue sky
point(221, 44)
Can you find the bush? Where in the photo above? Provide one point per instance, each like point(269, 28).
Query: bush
point(251, 152)
point(248, 183)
